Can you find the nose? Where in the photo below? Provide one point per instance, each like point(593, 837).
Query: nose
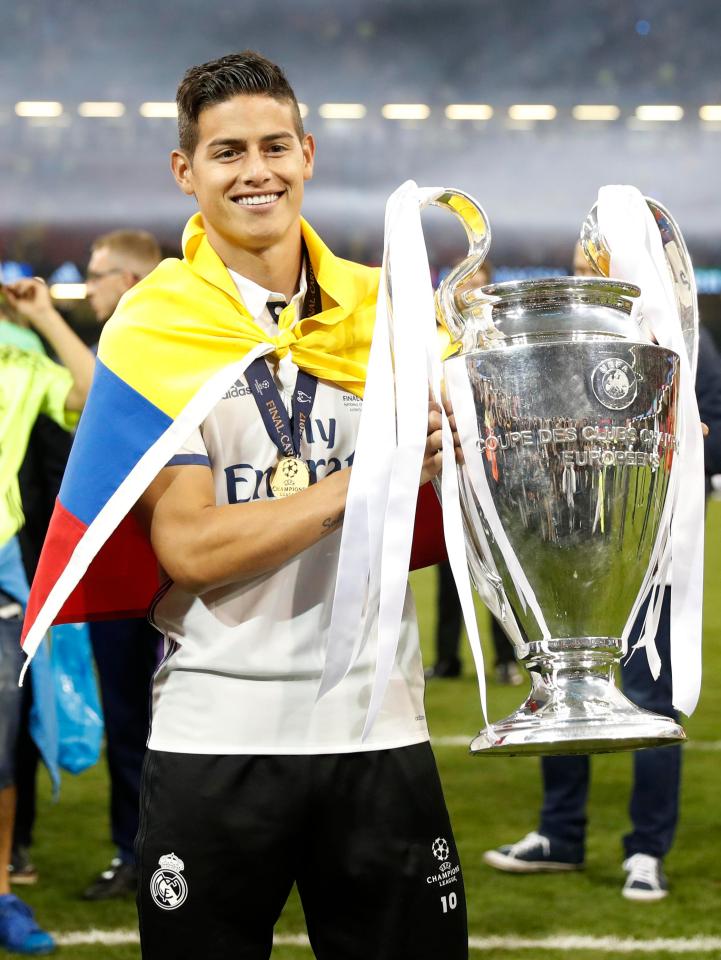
point(256, 170)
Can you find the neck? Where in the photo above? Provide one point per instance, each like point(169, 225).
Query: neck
point(276, 267)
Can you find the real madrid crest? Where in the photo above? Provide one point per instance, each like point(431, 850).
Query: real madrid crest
point(614, 383)
point(168, 887)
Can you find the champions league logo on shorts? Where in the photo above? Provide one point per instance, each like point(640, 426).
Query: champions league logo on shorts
point(167, 887)
point(447, 872)
point(614, 383)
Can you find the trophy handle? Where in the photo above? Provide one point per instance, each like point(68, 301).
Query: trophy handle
point(677, 259)
point(478, 230)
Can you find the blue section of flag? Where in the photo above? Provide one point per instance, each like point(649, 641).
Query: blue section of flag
point(103, 455)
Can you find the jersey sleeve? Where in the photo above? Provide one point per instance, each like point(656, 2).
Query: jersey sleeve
point(193, 453)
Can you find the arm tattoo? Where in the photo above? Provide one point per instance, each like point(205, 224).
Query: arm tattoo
point(330, 523)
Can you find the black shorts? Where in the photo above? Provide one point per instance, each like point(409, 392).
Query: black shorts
point(366, 837)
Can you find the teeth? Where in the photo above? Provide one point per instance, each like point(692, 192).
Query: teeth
point(254, 201)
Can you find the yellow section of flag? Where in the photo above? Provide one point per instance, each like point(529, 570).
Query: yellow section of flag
point(186, 321)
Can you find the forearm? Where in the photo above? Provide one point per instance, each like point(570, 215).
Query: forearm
point(72, 353)
point(218, 545)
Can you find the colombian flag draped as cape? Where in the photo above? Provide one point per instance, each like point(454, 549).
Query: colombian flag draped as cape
point(178, 340)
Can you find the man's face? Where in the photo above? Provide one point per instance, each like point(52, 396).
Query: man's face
point(107, 280)
point(247, 172)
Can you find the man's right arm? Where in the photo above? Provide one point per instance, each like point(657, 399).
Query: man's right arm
point(201, 545)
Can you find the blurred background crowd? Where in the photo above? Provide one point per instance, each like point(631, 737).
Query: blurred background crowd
point(530, 108)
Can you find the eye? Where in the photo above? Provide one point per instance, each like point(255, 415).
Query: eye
point(277, 148)
point(227, 154)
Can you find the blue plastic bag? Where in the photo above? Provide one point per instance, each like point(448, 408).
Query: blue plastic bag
point(80, 717)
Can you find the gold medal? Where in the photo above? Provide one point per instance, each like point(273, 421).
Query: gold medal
point(291, 475)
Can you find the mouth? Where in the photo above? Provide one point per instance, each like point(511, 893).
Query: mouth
point(257, 200)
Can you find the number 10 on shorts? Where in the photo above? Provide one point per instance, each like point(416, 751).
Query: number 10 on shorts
point(450, 902)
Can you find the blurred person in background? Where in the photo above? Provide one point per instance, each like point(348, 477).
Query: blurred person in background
point(117, 261)
point(126, 651)
point(559, 843)
point(39, 479)
point(449, 619)
point(30, 384)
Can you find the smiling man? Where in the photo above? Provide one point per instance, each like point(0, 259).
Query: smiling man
point(251, 783)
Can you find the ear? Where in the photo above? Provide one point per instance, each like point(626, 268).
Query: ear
point(129, 278)
point(182, 171)
point(308, 146)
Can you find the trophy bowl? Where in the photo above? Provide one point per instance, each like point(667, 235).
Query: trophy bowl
point(567, 413)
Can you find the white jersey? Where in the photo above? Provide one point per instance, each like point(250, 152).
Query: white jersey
point(243, 662)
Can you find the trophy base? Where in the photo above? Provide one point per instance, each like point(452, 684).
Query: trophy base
point(577, 713)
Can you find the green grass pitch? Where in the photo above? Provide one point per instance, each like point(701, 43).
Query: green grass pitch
point(491, 802)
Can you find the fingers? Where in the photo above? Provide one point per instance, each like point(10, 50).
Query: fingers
point(431, 467)
point(434, 433)
point(19, 288)
point(31, 298)
point(27, 290)
point(434, 438)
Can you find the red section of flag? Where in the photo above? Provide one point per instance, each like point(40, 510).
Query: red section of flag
point(120, 582)
point(429, 547)
point(66, 532)
point(123, 578)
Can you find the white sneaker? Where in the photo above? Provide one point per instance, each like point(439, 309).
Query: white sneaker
point(646, 879)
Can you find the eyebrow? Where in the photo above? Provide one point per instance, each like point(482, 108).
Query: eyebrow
point(240, 142)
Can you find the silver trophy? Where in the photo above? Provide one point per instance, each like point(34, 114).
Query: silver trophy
point(567, 413)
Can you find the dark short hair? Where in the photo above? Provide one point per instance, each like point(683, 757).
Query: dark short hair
point(238, 73)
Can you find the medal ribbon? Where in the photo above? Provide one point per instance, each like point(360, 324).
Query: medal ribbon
point(284, 433)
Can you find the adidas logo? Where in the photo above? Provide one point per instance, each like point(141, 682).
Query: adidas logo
point(238, 389)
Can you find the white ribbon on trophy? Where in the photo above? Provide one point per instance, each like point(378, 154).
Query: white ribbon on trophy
point(380, 508)
point(637, 256)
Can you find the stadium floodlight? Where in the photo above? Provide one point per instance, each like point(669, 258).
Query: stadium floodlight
point(596, 111)
point(342, 111)
point(710, 113)
point(469, 111)
point(406, 111)
point(67, 291)
point(532, 111)
point(38, 108)
point(303, 110)
point(159, 109)
point(101, 108)
point(659, 113)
